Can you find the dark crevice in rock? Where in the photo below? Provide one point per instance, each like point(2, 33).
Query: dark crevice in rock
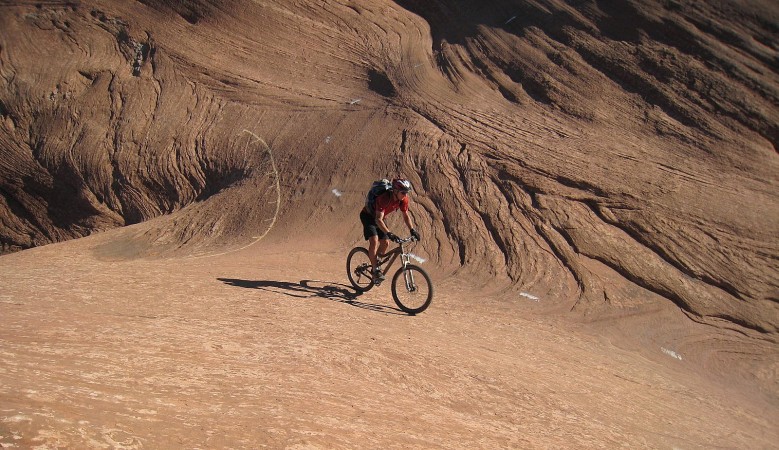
point(193, 11)
point(379, 83)
point(536, 87)
point(743, 323)
point(403, 142)
point(623, 22)
point(218, 179)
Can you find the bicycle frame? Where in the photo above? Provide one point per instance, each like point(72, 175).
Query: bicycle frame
point(405, 259)
point(389, 258)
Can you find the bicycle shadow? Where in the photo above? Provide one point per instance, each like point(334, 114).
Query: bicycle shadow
point(309, 289)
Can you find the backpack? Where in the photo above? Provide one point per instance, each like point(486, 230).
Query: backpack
point(377, 188)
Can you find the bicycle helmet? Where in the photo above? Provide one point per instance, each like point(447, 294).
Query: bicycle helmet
point(401, 185)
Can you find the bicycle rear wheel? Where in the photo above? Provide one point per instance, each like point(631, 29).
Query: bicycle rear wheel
point(358, 269)
point(412, 289)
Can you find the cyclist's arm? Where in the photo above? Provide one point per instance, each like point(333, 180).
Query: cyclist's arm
point(407, 219)
point(380, 221)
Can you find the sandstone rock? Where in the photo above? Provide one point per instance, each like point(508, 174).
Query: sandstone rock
point(546, 142)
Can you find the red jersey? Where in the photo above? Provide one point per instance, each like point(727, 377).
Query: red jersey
point(387, 204)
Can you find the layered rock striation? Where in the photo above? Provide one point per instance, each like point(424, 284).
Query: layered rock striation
point(604, 154)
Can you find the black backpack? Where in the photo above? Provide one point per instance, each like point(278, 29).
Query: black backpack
point(378, 188)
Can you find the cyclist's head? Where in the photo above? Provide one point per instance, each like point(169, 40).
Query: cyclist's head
point(401, 185)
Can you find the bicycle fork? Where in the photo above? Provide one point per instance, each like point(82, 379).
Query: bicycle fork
point(408, 275)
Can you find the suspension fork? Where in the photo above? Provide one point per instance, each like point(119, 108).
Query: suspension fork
point(408, 276)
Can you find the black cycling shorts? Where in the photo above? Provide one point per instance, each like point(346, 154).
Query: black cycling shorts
point(369, 227)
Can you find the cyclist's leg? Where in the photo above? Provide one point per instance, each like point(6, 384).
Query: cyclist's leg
point(383, 244)
point(373, 245)
point(371, 233)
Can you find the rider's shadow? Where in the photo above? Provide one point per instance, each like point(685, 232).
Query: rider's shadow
point(311, 289)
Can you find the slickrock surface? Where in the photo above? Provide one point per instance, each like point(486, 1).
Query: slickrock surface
point(269, 346)
point(596, 184)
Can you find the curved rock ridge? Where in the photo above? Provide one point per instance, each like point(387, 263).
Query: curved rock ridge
point(601, 154)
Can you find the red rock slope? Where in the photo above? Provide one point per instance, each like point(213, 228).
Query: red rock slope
point(603, 153)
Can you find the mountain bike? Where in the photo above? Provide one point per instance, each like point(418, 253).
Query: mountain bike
point(412, 289)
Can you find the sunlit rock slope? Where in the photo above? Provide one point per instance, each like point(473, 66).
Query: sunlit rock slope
point(600, 153)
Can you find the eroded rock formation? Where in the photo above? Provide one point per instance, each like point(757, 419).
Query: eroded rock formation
point(598, 151)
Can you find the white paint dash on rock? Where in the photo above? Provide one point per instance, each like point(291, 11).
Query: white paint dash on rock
point(530, 296)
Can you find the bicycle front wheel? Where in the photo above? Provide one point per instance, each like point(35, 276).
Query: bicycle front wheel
point(412, 289)
point(358, 269)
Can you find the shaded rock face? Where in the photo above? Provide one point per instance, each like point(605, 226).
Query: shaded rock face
point(603, 152)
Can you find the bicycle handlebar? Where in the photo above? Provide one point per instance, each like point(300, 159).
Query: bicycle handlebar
point(405, 240)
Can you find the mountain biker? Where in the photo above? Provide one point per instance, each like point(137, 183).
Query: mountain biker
point(375, 230)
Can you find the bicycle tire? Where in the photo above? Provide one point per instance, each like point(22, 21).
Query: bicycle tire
point(399, 287)
point(359, 274)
